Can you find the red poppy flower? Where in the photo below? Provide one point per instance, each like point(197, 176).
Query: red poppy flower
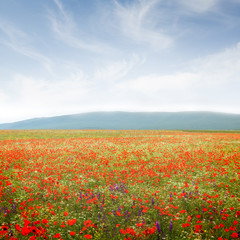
point(57, 235)
point(17, 227)
point(185, 225)
point(87, 223)
point(71, 222)
point(25, 231)
point(234, 235)
point(88, 236)
point(44, 221)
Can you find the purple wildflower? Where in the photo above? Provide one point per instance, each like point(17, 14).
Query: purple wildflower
point(170, 226)
point(158, 227)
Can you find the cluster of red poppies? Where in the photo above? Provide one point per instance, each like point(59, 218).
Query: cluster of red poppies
point(120, 185)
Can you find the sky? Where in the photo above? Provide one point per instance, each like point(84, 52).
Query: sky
point(61, 57)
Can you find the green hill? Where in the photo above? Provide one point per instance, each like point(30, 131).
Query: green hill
point(133, 120)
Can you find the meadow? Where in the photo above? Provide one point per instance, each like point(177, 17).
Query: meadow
point(105, 184)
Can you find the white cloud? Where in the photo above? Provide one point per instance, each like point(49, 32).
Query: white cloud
point(137, 22)
point(154, 83)
point(3, 96)
point(238, 45)
point(36, 97)
point(41, 91)
point(209, 83)
point(219, 69)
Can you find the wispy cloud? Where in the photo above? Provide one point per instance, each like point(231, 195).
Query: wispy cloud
point(139, 22)
point(64, 26)
point(20, 42)
point(65, 15)
point(12, 32)
point(113, 71)
point(33, 54)
point(199, 6)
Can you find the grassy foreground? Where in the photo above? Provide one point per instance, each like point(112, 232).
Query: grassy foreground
point(72, 184)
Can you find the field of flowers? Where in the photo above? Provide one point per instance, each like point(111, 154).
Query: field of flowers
point(75, 184)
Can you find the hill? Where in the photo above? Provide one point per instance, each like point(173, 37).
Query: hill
point(133, 120)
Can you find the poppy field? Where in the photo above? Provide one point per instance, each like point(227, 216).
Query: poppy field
point(105, 184)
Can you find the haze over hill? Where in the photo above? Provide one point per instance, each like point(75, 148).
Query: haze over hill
point(133, 120)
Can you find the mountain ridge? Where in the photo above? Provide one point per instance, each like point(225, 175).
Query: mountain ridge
point(184, 120)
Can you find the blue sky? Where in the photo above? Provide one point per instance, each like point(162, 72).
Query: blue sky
point(70, 56)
